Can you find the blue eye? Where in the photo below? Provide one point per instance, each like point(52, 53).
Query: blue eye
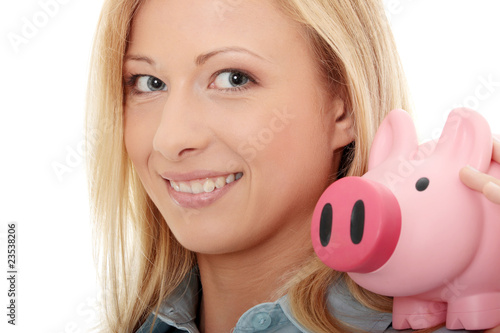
point(231, 80)
point(148, 83)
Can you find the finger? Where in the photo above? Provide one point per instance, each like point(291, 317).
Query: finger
point(488, 185)
point(473, 178)
point(492, 192)
point(496, 149)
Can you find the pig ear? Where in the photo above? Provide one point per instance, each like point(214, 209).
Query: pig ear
point(396, 136)
point(466, 139)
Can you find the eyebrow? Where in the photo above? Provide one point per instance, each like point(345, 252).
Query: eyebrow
point(139, 58)
point(200, 60)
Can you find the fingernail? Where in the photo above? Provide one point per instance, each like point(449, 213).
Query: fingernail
point(493, 184)
point(496, 139)
point(472, 168)
point(492, 191)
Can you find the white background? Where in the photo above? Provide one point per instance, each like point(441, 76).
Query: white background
point(448, 48)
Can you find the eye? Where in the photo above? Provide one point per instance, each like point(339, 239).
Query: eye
point(231, 79)
point(148, 83)
point(422, 184)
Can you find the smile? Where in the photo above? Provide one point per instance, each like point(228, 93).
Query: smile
point(204, 185)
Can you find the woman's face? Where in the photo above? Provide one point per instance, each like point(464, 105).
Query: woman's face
point(227, 122)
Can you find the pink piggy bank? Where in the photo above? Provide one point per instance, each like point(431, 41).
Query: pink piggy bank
point(409, 228)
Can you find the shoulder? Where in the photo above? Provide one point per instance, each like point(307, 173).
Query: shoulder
point(154, 326)
point(346, 308)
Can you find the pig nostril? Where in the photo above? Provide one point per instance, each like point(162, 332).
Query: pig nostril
point(357, 221)
point(325, 225)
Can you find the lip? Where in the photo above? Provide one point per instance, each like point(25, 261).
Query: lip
point(200, 200)
point(195, 175)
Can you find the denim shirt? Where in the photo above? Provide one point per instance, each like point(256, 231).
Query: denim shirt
point(177, 314)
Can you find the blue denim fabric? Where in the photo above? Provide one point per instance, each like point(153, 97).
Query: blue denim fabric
point(177, 314)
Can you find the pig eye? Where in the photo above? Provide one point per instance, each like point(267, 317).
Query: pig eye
point(422, 184)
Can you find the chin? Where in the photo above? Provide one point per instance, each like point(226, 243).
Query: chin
point(211, 246)
point(210, 240)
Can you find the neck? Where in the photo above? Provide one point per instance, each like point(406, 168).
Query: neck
point(235, 282)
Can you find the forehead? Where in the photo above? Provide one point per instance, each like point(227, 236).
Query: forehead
point(166, 26)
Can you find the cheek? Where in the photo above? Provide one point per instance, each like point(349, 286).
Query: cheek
point(300, 155)
point(138, 137)
point(296, 162)
point(248, 132)
point(296, 138)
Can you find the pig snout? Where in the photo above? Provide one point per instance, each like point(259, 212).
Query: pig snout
point(356, 225)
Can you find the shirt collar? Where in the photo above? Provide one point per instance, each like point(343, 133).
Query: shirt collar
point(180, 308)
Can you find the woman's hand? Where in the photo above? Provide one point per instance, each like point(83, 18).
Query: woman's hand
point(488, 185)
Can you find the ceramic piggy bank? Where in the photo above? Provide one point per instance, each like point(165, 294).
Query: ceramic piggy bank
point(409, 228)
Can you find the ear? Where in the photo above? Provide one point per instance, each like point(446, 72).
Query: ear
point(343, 124)
point(466, 139)
point(395, 136)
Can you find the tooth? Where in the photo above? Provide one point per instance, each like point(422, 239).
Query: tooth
point(175, 186)
point(209, 186)
point(230, 178)
point(219, 182)
point(196, 187)
point(183, 187)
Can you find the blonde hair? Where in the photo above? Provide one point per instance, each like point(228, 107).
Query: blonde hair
point(135, 247)
point(141, 262)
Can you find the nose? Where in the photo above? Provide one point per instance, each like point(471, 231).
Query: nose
point(183, 130)
point(356, 225)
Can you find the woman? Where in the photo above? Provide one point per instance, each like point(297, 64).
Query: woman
point(220, 124)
